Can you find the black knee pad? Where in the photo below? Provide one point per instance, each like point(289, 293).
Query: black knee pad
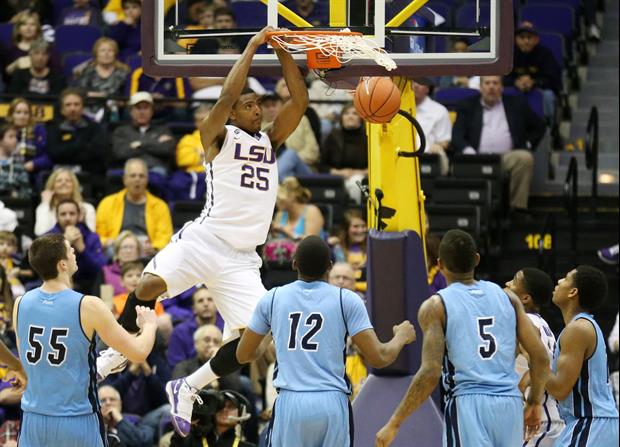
point(225, 360)
point(129, 315)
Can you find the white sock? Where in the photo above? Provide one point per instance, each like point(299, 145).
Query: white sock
point(202, 377)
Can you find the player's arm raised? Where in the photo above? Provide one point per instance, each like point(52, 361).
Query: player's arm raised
point(575, 340)
point(212, 127)
point(95, 316)
point(293, 110)
point(431, 317)
point(380, 355)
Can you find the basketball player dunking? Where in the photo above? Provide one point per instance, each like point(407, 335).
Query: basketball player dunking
point(219, 247)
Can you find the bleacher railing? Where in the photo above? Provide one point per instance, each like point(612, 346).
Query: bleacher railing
point(591, 152)
point(571, 188)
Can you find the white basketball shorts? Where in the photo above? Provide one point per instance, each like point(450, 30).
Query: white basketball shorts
point(195, 256)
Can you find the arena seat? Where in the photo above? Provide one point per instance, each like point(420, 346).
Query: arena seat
point(534, 98)
point(450, 97)
point(185, 211)
point(447, 217)
point(6, 34)
point(72, 60)
point(429, 165)
point(24, 210)
point(71, 38)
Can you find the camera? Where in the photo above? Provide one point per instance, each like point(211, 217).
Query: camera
point(209, 402)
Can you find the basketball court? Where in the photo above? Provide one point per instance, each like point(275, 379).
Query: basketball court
point(350, 40)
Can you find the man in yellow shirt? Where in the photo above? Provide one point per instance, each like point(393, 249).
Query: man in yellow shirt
point(135, 209)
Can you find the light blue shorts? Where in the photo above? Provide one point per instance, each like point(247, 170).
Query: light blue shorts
point(589, 432)
point(38, 430)
point(317, 419)
point(482, 420)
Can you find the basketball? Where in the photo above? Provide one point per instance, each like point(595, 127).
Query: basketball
point(377, 99)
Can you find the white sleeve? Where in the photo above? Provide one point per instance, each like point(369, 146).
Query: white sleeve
point(90, 216)
point(443, 127)
point(613, 337)
point(45, 219)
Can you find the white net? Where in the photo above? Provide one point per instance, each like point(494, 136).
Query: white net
point(344, 47)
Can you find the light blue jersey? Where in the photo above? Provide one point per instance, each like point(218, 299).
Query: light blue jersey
point(310, 322)
point(592, 396)
point(481, 340)
point(58, 358)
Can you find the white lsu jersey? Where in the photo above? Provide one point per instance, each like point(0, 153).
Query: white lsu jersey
point(242, 184)
point(550, 405)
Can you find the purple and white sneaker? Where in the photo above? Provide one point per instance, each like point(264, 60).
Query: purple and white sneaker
point(609, 255)
point(181, 397)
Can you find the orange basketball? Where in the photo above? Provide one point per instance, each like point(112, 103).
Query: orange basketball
point(377, 99)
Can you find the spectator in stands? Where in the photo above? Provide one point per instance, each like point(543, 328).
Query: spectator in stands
point(103, 76)
point(329, 114)
point(135, 209)
point(126, 248)
point(460, 45)
point(296, 217)
point(130, 276)
point(181, 343)
point(350, 245)
point(535, 66)
point(38, 79)
point(60, 185)
point(152, 143)
point(223, 18)
point(495, 124)
point(75, 140)
point(207, 340)
point(31, 138)
point(26, 31)
point(304, 139)
point(6, 310)
point(166, 88)
point(127, 32)
point(86, 243)
point(289, 161)
point(314, 12)
point(204, 19)
point(142, 385)
point(188, 183)
point(345, 151)
point(127, 428)
point(81, 13)
point(14, 181)
point(435, 121)
point(10, 261)
point(342, 275)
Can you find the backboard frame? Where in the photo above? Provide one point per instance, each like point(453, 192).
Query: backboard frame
point(494, 62)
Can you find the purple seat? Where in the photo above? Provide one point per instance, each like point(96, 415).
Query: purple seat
point(6, 34)
point(249, 14)
point(576, 4)
point(72, 60)
point(134, 61)
point(449, 97)
point(555, 43)
point(466, 15)
point(534, 99)
point(558, 18)
point(72, 38)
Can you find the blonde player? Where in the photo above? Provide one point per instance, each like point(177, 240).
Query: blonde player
point(535, 289)
point(219, 247)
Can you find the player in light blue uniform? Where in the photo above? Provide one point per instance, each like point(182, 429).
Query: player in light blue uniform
point(471, 331)
point(56, 329)
point(310, 321)
point(580, 379)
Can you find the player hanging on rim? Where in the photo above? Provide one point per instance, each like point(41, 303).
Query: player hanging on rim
point(219, 247)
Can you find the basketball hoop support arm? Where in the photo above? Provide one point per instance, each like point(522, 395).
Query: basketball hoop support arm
point(275, 5)
point(405, 13)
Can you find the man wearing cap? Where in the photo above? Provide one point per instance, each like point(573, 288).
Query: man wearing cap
point(152, 143)
point(434, 119)
point(535, 66)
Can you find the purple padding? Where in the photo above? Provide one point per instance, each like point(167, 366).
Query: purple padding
point(376, 402)
point(397, 286)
